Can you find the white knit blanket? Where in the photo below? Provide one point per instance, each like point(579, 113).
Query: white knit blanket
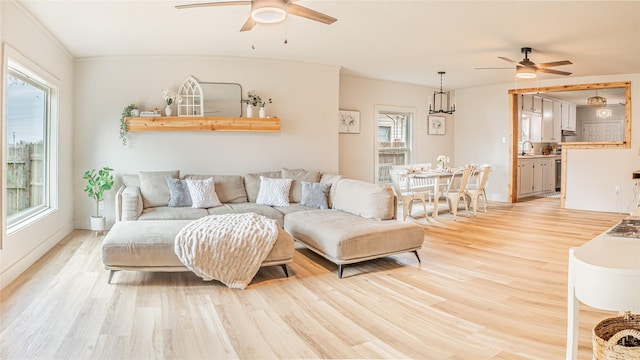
point(229, 248)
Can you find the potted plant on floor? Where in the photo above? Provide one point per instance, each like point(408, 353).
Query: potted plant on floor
point(97, 183)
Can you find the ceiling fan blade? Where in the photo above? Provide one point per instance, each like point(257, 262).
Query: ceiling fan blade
point(494, 68)
point(557, 72)
point(510, 61)
point(220, 3)
point(304, 12)
point(552, 64)
point(248, 25)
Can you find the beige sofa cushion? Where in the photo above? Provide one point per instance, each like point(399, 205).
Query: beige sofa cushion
point(154, 188)
point(346, 238)
point(133, 244)
point(172, 213)
point(131, 203)
point(230, 188)
point(371, 201)
point(298, 176)
point(252, 183)
point(333, 180)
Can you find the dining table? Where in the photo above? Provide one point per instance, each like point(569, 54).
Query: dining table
point(440, 177)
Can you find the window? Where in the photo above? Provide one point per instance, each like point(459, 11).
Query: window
point(394, 145)
point(27, 144)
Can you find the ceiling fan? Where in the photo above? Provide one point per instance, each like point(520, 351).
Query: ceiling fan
point(269, 11)
point(527, 69)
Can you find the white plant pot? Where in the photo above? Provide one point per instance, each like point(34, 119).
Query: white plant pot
point(249, 111)
point(261, 113)
point(98, 223)
point(167, 111)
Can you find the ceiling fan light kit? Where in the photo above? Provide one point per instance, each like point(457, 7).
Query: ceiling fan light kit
point(268, 11)
point(441, 97)
point(526, 73)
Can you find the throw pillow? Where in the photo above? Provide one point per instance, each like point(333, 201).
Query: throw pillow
point(274, 192)
point(154, 188)
point(179, 192)
point(299, 175)
point(315, 195)
point(252, 183)
point(203, 193)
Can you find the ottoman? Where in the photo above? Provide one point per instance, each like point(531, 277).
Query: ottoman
point(147, 245)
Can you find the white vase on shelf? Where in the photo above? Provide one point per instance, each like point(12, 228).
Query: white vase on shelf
point(167, 111)
point(249, 110)
point(261, 113)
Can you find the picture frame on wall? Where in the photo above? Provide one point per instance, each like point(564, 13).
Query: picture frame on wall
point(437, 125)
point(349, 122)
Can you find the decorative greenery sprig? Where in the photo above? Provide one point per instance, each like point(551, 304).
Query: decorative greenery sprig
point(168, 96)
point(97, 184)
point(124, 129)
point(255, 100)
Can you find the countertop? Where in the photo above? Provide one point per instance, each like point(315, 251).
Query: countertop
point(539, 156)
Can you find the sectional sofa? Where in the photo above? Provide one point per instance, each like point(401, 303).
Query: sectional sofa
point(358, 222)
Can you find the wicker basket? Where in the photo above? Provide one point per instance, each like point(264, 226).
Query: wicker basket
point(609, 335)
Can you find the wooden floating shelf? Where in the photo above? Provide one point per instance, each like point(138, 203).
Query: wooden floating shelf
point(202, 123)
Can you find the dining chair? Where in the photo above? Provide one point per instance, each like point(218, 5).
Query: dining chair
point(400, 182)
point(456, 190)
point(476, 187)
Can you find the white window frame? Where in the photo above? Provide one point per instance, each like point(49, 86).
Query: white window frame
point(410, 133)
point(23, 65)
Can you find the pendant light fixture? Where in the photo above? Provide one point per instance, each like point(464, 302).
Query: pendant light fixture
point(440, 98)
point(596, 101)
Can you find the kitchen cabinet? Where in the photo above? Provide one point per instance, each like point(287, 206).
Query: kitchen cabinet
point(547, 122)
point(525, 177)
point(557, 120)
point(536, 176)
point(568, 116)
point(531, 103)
point(547, 174)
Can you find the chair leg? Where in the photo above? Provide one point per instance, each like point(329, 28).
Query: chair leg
point(418, 256)
point(340, 268)
point(424, 206)
point(284, 268)
point(466, 207)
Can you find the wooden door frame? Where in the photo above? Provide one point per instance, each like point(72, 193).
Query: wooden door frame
point(512, 195)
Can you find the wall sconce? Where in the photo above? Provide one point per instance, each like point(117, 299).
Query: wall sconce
point(441, 97)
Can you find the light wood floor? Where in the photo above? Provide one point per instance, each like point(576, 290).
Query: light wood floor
point(489, 287)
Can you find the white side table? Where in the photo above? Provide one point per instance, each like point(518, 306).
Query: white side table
point(604, 273)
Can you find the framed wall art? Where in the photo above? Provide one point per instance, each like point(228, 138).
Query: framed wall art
point(349, 122)
point(436, 125)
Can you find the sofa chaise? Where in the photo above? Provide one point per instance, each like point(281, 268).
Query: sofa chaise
point(359, 221)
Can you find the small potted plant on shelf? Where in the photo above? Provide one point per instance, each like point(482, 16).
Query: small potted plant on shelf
point(97, 183)
point(128, 111)
point(255, 100)
point(169, 97)
point(251, 101)
point(261, 112)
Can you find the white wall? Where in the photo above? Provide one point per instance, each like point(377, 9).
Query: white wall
point(23, 247)
point(482, 120)
point(305, 98)
point(357, 151)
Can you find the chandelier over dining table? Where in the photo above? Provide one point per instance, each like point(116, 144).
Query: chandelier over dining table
point(440, 99)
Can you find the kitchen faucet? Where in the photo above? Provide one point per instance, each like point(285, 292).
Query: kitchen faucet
point(524, 142)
